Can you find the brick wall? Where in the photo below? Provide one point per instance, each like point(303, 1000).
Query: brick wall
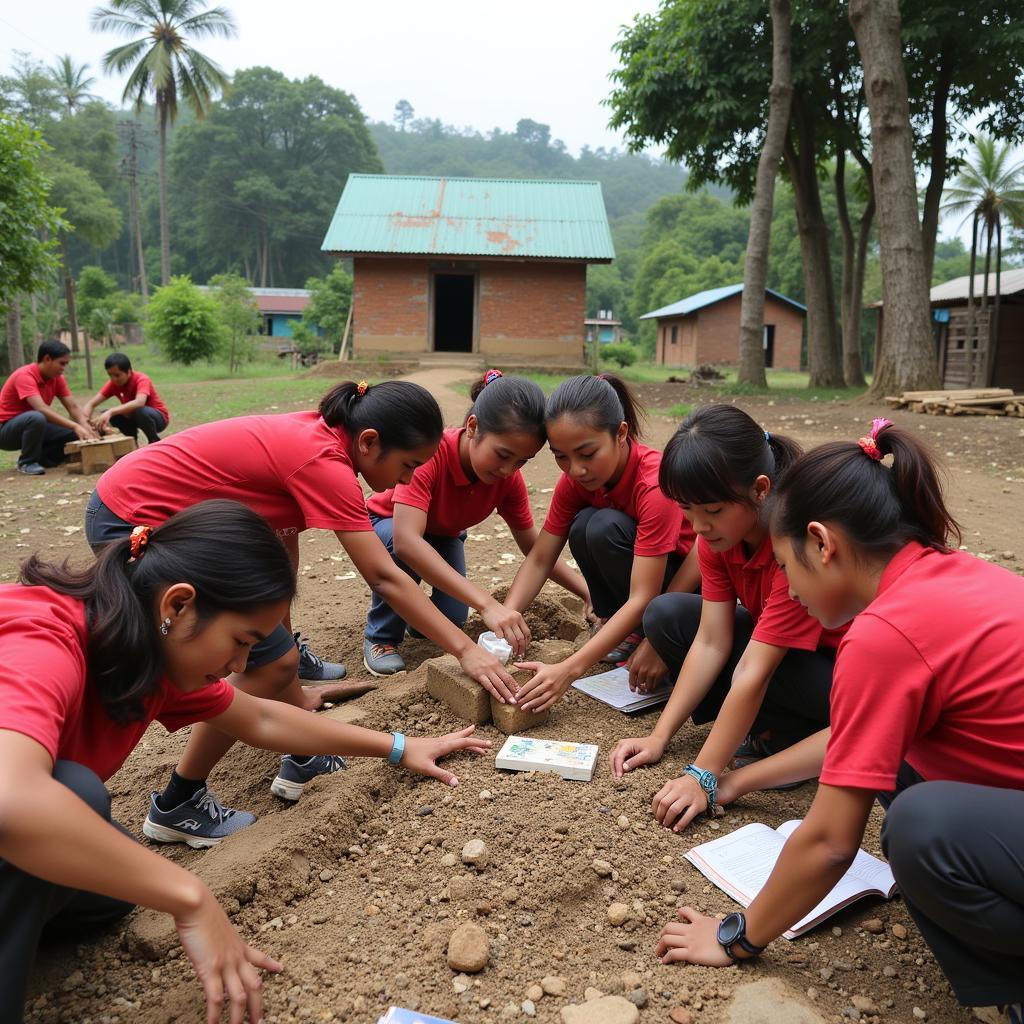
point(389, 305)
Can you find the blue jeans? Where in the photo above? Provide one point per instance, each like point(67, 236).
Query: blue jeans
point(383, 624)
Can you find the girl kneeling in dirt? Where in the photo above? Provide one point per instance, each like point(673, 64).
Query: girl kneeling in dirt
point(297, 470)
point(630, 541)
point(91, 657)
point(761, 669)
point(423, 523)
point(927, 713)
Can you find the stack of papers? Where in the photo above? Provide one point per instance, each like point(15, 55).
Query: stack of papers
point(398, 1015)
point(570, 760)
point(612, 688)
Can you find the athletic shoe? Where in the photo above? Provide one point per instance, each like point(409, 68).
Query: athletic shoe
point(200, 822)
point(625, 649)
point(382, 659)
point(295, 773)
point(31, 469)
point(313, 668)
point(752, 749)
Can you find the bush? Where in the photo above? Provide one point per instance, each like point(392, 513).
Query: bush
point(184, 322)
point(623, 353)
point(239, 319)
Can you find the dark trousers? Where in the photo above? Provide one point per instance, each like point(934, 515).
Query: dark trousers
point(957, 852)
point(145, 418)
point(602, 540)
point(796, 703)
point(28, 905)
point(39, 440)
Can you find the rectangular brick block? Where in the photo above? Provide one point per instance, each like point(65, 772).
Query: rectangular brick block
point(511, 720)
point(447, 683)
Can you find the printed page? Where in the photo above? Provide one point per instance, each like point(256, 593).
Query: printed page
point(867, 872)
point(612, 688)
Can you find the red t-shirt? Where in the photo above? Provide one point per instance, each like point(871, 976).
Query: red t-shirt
point(137, 384)
point(292, 469)
point(25, 382)
point(932, 672)
point(452, 501)
point(762, 588)
point(46, 694)
point(661, 527)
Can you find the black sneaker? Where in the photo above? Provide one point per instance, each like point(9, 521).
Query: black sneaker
point(314, 668)
point(294, 773)
point(31, 469)
point(200, 822)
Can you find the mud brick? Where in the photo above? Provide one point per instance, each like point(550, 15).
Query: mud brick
point(512, 720)
point(447, 683)
point(572, 603)
point(568, 630)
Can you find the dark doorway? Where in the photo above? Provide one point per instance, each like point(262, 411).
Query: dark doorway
point(769, 344)
point(453, 312)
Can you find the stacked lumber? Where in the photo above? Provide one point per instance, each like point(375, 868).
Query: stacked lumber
point(98, 455)
point(961, 402)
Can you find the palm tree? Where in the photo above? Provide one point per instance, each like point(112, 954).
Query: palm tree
point(161, 62)
point(72, 83)
point(988, 189)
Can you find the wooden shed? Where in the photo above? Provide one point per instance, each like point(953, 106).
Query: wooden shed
point(705, 328)
point(470, 265)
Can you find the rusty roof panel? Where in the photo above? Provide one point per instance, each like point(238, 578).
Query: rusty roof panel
point(413, 215)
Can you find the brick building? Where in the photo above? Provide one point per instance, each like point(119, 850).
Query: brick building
point(705, 328)
point(470, 265)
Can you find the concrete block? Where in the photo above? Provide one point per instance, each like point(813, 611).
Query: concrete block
point(512, 720)
point(466, 698)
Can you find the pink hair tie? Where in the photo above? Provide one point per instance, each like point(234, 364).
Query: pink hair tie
point(870, 448)
point(492, 375)
point(878, 425)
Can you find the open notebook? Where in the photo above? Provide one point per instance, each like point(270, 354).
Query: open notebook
point(612, 688)
point(741, 862)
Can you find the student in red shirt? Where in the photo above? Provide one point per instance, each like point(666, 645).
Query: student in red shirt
point(91, 657)
point(297, 470)
point(27, 420)
point(423, 523)
point(761, 669)
point(927, 713)
point(140, 407)
point(630, 541)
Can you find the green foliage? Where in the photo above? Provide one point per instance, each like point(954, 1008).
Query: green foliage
point(239, 319)
point(605, 289)
point(94, 285)
point(622, 353)
point(29, 93)
point(26, 216)
point(306, 339)
point(88, 210)
point(329, 304)
point(184, 322)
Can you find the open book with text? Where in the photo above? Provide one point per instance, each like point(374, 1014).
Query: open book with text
point(741, 862)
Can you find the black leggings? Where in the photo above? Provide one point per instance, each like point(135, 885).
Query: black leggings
point(796, 703)
point(28, 905)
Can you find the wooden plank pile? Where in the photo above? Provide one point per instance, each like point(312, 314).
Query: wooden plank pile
point(99, 455)
point(965, 402)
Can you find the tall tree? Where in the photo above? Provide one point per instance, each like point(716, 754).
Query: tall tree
point(163, 63)
point(907, 361)
point(29, 93)
point(72, 83)
point(404, 113)
point(755, 272)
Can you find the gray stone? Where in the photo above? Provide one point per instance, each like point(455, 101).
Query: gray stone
point(604, 1010)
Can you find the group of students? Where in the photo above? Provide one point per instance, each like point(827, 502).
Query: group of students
point(814, 607)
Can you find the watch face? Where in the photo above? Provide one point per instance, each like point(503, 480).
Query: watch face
point(731, 928)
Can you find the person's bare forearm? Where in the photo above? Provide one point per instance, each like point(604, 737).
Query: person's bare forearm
point(406, 598)
point(732, 723)
point(801, 761)
point(417, 553)
point(569, 580)
point(527, 585)
point(625, 621)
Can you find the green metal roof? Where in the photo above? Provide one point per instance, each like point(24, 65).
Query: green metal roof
point(412, 215)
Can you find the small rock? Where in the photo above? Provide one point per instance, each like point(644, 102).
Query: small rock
point(486, 794)
point(631, 980)
point(899, 931)
point(602, 868)
point(601, 1010)
point(623, 821)
point(919, 1014)
point(678, 886)
point(837, 931)
point(553, 985)
point(680, 1015)
point(560, 828)
point(449, 860)
point(874, 926)
point(326, 875)
point(627, 944)
point(371, 910)
point(852, 1012)
point(529, 1008)
point(425, 810)
point(618, 914)
point(475, 853)
point(826, 973)
point(889, 971)
point(638, 997)
point(469, 949)
point(460, 984)
point(73, 980)
point(535, 993)
point(864, 1003)
point(1008, 556)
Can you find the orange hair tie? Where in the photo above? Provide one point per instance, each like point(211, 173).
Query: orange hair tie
point(361, 388)
point(870, 447)
point(139, 541)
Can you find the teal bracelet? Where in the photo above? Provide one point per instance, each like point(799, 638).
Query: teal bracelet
point(707, 782)
point(397, 748)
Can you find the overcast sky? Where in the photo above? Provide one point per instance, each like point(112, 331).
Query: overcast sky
point(468, 62)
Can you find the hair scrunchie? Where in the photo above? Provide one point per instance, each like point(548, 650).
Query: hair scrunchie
point(361, 388)
point(870, 444)
point(492, 375)
point(138, 542)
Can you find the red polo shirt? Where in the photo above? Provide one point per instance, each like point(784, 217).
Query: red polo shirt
point(661, 527)
point(452, 501)
point(137, 384)
point(25, 382)
point(46, 693)
point(762, 588)
point(292, 469)
point(932, 672)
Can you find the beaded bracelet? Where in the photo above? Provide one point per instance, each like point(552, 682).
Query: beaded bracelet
point(707, 782)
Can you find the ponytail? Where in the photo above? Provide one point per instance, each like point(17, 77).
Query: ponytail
point(717, 453)
point(227, 552)
point(507, 405)
point(605, 401)
point(405, 415)
point(881, 508)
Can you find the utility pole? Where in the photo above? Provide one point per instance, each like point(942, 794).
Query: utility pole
point(130, 170)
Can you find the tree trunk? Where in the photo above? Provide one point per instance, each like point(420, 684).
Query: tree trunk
point(937, 177)
point(37, 335)
point(907, 357)
point(972, 311)
point(994, 328)
point(165, 233)
point(69, 298)
point(981, 369)
point(852, 285)
point(755, 271)
point(15, 345)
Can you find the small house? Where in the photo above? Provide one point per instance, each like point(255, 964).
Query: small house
point(279, 308)
point(603, 329)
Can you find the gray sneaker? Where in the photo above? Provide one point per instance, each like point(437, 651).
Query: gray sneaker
point(31, 469)
point(313, 668)
point(382, 659)
point(296, 772)
point(200, 822)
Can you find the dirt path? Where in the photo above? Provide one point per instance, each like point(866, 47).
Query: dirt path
point(358, 887)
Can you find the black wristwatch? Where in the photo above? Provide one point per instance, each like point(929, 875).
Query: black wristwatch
point(733, 932)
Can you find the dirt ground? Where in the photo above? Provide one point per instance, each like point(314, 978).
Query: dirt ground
point(358, 887)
